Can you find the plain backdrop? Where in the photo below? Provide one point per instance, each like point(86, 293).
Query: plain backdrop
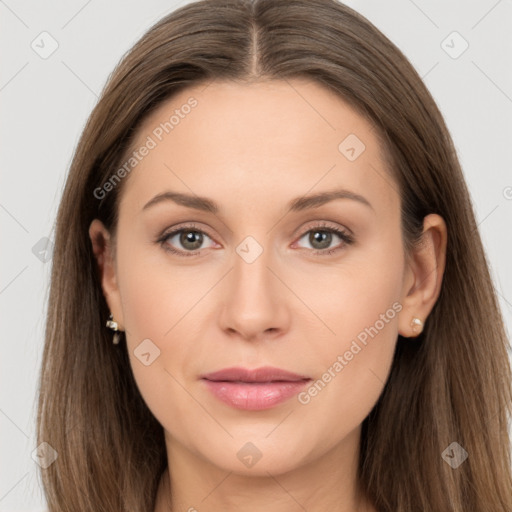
point(46, 99)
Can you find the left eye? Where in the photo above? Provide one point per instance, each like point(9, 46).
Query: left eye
point(321, 238)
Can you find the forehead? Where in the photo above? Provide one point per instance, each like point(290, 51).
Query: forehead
point(277, 139)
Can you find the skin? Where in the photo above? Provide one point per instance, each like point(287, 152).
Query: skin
point(252, 149)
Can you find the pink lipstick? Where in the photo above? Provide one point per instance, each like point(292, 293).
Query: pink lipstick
point(252, 390)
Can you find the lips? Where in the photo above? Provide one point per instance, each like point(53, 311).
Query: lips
point(253, 390)
point(262, 374)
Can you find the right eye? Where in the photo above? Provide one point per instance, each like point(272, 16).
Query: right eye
point(189, 237)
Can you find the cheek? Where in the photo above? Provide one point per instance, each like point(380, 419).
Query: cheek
point(154, 293)
point(359, 312)
point(155, 304)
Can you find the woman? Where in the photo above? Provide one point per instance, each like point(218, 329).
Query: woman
point(366, 370)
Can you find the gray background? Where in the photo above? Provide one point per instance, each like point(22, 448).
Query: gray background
point(46, 101)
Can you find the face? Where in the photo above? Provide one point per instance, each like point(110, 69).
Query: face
point(266, 278)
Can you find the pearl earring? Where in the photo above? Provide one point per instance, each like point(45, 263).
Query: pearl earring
point(112, 324)
point(417, 325)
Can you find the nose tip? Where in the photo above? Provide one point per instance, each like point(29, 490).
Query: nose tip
point(253, 305)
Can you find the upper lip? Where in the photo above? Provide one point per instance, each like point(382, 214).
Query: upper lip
point(262, 374)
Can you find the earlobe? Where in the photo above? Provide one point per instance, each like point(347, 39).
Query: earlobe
point(425, 271)
point(102, 249)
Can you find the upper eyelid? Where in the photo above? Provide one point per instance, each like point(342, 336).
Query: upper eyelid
point(193, 227)
point(320, 226)
point(189, 227)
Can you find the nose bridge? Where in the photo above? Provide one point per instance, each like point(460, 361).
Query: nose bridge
point(251, 275)
point(253, 303)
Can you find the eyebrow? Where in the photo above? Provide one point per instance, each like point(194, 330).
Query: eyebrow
point(295, 205)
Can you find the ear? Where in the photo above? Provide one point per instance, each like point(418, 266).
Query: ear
point(423, 275)
point(103, 252)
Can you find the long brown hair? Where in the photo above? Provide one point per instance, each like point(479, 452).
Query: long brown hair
point(451, 384)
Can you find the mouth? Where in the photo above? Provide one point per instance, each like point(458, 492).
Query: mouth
point(254, 390)
point(264, 374)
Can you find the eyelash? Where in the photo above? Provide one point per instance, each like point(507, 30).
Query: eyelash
point(347, 239)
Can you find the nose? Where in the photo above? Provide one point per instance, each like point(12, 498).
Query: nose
point(254, 300)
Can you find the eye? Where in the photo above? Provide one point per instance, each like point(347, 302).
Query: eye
point(321, 237)
point(189, 237)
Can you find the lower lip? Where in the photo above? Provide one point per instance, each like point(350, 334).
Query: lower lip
point(254, 396)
